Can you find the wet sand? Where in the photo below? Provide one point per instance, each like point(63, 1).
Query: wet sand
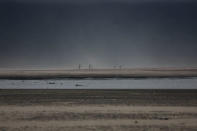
point(89, 110)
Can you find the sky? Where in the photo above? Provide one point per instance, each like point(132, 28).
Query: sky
point(44, 34)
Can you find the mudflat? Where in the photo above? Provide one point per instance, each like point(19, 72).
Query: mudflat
point(89, 110)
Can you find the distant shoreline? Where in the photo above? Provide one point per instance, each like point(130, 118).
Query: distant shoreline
point(100, 73)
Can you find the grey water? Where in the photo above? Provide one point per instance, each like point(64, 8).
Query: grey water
point(159, 83)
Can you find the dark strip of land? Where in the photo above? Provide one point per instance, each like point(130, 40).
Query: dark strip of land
point(87, 96)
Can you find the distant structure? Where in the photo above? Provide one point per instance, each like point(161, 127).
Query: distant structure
point(79, 66)
point(120, 67)
point(117, 67)
point(90, 67)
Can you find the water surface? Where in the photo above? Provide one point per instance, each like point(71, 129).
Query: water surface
point(164, 83)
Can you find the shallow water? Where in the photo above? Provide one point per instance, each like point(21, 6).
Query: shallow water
point(164, 83)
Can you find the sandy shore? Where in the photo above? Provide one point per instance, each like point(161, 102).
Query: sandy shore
point(99, 73)
point(89, 110)
point(97, 116)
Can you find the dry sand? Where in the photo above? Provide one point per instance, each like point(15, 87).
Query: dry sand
point(88, 114)
point(99, 73)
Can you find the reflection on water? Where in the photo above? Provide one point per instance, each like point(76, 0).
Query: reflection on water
point(167, 83)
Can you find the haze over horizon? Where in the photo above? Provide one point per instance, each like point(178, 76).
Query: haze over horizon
point(62, 34)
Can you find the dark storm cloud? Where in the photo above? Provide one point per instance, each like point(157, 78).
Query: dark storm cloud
point(96, 1)
point(82, 2)
point(150, 34)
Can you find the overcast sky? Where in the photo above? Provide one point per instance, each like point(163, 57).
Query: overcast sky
point(96, 1)
point(38, 34)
